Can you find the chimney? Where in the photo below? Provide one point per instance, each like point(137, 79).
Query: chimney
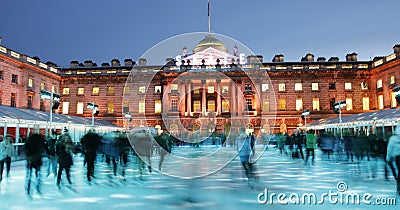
point(354, 56)
point(74, 64)
point(321, 59)
point(396, 49)
point(142, 62)
point(88, 63)
point(333, 59)
point(105, 65)
point(351, 57)
point(278, 58)
point(309, 58)
point(260, 58)
point(128, 62)
point(115, 62)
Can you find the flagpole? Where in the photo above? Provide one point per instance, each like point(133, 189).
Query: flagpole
point(209, 19)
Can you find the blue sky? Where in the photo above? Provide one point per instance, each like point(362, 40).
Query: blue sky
point(100, 30)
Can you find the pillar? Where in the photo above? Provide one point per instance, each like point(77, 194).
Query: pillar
point(188, 98)
point(218, 97)
point(182, 101)
point(239, 98)
point(203, 97)
point(233, 107)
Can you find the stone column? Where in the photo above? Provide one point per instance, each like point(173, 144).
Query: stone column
point(239, 95)
point(165, 100)
point(218, 97)
point(182, 101)
point(232, 105)
point(188, 98)
point(203, 98)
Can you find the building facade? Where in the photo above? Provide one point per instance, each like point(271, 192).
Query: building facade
point(209, 90)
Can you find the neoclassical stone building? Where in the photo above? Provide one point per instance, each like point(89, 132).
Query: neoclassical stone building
point(213, 88)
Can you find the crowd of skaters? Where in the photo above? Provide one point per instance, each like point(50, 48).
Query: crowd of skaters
point(348, 148)
point(56, 154)
point(113, 148)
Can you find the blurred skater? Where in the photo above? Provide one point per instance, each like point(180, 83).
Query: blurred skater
point(90, 141)
point(34, 147)
point(393, 154)
point(65, 150)
point(6, 152)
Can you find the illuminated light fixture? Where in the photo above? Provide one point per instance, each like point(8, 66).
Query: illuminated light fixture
point(396, 91)
point(94, 107)
point(304, 115)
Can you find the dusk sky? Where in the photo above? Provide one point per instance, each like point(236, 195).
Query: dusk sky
point(101, 30)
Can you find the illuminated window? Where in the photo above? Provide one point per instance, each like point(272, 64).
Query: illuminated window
point(365, 103)
point(299, 104)
point(281, 87)
point(142, 106)
point(95, 90)
point(81, 91)
point(210, 89)
point(30, 82)
point(174, 87)
point(110, 107)
point(54, 88)
point(79, 108)
point(298, 87)
point(197, 106)
point(347, 86)
point(65, 91)
point(225, 106)
point(225, 89)
point(264, 87)
point(282, 104)
point(380, 102)
point(392, 80)
point(126, 89)
point(110, 90)
point(157, 89)
point(314, 86)
point(393, 101)
point(265, 107)
point(65, 107)
point(379, 84)
point(349, 104)
point(196, 89)
point(142, 89)
point(364, 86)
point(157, 106)
point(174, 105)
point(125, 107)
point(42, 86)
point(211, 106)
point(315, 105)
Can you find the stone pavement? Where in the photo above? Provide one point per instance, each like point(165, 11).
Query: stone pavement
point(225, 188)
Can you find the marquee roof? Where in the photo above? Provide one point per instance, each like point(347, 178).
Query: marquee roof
point(388, 117)
point(11, 114)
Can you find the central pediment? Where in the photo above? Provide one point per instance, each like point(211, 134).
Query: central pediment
point(209, 56)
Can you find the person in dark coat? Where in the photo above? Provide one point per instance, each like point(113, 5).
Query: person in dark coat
point(165, 143)
point(90, 142)
point(64, 150)
point(51, 156)
point(348, 140)
point(34, 147)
